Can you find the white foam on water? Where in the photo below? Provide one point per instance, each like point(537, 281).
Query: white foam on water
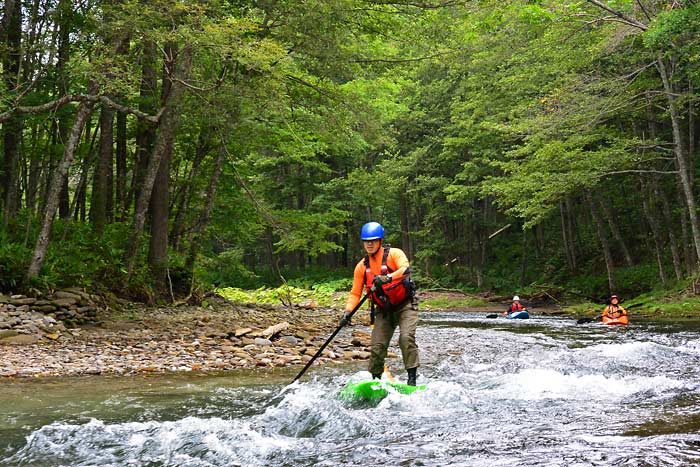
point(480, 367)
point(190, 441)
point(439, 399)
point(627, 350)
point(314, 410)
point(691, 347)
point(537, 384)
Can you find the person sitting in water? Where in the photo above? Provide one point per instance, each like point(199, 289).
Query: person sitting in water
point(614, 310)
point(515, 306)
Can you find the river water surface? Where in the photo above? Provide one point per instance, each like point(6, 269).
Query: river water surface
point(542, 392)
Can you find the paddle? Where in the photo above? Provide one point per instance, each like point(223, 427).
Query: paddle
point(590, 320)
point(496, 315)
point(337, 330)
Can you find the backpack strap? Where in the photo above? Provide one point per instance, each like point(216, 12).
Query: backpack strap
point(366, 266)
point(384, 258)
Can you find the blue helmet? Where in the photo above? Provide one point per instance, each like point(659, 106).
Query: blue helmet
point(372, 231)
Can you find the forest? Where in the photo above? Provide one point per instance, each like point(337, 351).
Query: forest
point(157, 148)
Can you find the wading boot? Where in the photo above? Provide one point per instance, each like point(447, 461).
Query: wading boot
point(376, 376)
point(411, 377)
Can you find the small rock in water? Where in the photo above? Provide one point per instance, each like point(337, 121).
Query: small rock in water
point(259, 341)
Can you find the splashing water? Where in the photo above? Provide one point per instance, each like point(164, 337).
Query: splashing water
point(543, 392)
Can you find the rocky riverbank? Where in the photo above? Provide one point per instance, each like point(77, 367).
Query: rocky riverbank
point(26, 320)
point(220, 337)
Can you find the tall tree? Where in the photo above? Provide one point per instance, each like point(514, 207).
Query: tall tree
point(58, 182)
point(12, 128)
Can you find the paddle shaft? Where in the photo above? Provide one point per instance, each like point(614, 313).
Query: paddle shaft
point(337, 330)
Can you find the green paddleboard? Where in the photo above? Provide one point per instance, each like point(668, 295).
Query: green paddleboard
point(375, 390)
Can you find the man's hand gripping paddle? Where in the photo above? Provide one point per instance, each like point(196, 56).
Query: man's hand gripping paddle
point(343, 322)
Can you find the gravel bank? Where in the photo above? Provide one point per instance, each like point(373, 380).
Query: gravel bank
point(221, 337)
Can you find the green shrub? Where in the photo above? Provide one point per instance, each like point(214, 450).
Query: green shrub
point(14, 261)
point(281, 295)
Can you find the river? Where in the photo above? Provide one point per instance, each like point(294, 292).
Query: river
point(541, 392)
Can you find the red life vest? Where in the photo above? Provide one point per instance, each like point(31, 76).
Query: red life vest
point(515, 307)
point(391, 294)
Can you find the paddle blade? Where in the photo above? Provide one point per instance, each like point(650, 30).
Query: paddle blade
point(492, 315)
point(588, 320)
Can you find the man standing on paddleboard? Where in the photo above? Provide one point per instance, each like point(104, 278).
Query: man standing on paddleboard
point(393, 302)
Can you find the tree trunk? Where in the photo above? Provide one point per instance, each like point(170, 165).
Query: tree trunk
point(58, 180)
point(481, 239)
point(616, 233)
point(12, 136)
point(145, 131)
point(600, 229)
point(33, 182)
point(12, 129)
point(159, 207)
point(204, 218)
point(270, 250)
point(691, 126)
point(159, 210)
point(570, 261)
point(166, 132)
point(680, 155)
point(523, 259)
point(183, 198)
point(403, 213)
point(572, 234)
point(79, 204)
point(31, 42)
point(669, 222)
point(65, 19)
point(650, 214)
point(685, 236)
point(121, 167)
point(101, 186)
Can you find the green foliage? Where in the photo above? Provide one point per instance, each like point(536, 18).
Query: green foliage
point(286, 295)
point(675, 31)
point(323, 287)
point(14, 261)
point(227, 268)
point(447, 303)
point(309, 232)
point(79, 258)
point(444, 122)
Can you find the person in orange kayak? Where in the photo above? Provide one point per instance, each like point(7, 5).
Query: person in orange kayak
point(388, 269)
point(614, 310)
point(515, 306)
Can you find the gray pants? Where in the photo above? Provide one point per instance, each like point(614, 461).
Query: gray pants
point(406, 317)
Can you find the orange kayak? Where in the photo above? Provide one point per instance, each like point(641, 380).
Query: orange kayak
point(621, 320)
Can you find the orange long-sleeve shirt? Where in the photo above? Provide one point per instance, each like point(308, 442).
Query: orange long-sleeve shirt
point(396, 261)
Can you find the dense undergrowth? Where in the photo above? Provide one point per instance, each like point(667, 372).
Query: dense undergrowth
point(81, 258)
